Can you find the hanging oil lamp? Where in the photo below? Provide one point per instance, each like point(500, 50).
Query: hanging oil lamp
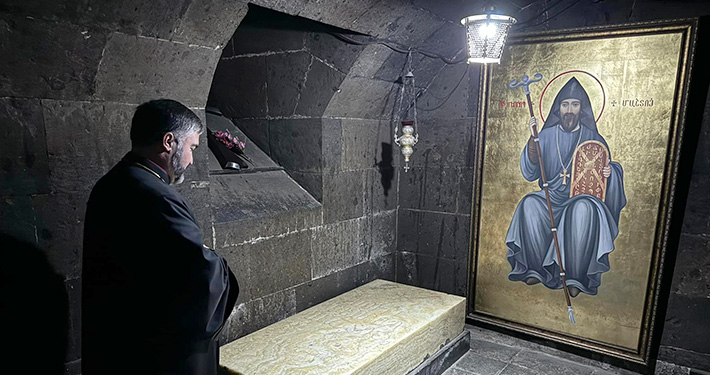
point(409, 136)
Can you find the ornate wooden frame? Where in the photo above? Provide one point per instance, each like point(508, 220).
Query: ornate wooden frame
point(681, 146)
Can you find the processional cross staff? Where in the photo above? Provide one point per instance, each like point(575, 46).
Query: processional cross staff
point(525, 82)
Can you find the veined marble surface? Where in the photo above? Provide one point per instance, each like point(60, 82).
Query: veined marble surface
point(380, 328)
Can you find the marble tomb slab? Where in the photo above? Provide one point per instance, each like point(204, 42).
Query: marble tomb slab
point(380, 328)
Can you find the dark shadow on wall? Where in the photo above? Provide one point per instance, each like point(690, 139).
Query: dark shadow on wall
point(386, 168)
point(34, 309)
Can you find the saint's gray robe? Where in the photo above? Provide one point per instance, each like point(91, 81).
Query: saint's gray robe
point(586, 226)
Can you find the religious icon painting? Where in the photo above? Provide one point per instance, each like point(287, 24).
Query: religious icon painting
point(578, 149)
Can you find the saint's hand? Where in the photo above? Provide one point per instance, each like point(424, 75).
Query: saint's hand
point(606, 171)
point(533, 126)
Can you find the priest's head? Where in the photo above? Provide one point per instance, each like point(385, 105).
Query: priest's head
point(571, 108)
point(166, 132)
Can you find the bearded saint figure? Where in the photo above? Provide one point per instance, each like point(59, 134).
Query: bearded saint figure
point(586, 225)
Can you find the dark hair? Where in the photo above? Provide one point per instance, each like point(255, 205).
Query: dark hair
point(155, 118)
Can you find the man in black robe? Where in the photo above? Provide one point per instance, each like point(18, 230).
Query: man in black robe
point(153, 297)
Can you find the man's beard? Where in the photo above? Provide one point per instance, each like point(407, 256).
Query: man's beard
point(569, 121)
point(177, 168)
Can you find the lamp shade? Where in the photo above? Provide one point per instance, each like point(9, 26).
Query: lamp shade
point(485, 36)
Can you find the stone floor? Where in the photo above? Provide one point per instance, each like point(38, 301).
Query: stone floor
point(493, 353)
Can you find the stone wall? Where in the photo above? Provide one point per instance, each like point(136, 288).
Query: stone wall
point(75, 72)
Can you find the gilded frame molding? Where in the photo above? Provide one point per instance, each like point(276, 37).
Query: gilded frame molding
point(665, 243)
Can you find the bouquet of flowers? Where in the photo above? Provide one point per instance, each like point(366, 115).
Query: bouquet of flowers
point(232, 142)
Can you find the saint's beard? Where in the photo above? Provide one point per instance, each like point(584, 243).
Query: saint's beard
point(569, 121)
point(178, 171)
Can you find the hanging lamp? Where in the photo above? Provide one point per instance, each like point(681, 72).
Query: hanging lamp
point(486, 35)
point(409, 136)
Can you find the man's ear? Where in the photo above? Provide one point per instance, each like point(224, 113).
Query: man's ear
point(168, 139)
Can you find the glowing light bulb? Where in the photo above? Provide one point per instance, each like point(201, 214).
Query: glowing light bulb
point(487, 30)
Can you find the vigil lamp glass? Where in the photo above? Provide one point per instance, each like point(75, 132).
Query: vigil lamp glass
point(485, 36)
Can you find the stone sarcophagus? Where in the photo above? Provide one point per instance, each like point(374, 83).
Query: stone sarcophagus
point(588, 161)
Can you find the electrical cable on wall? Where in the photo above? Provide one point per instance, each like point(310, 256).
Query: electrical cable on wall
point(398, 48)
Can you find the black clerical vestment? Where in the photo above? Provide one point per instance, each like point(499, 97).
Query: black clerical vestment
point(154, 298)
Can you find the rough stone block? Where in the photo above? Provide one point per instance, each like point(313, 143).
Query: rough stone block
point(434, 234)
point(381, 190)
point(371, 60)
point(377, 268)
point(292, 7)
point(237, 323)
point(285, 79)
point(361, 147)
point(84, 141)
point(424, 68)
point(687, 311)
point(135, 17)
point(690, 277)
point(324, 288)
point(60, 230)
point(270, 309)
point(66, 10)
point(24, 167)
point(257, 130)
point(236, 94)
point(197, 196)
point(697, 208)
point(444, 143)
point(432, 189)
point(322, 82)
point(311, 181)
point(48, 59)
point(439, 274)
point(448, 94)
point(333, 50)
point(399, 21)
point(343, 195)
point(465, 191)
point(378, 234)
point(689, 358)
point(18, 218)
point(339, 13)
point(210, 22)
point(137, 69)
point(230, 233)
point(257, 195)
point(448, 41)
point(296, 144)
point(253, 38)
point(332, 144)
point(272, 264)
point(337, 247)
point(702, 152)
point(349, 101)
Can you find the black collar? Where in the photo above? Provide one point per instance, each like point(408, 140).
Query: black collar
point(139, 161)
